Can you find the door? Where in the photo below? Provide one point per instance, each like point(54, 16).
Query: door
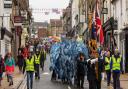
point(126, 53)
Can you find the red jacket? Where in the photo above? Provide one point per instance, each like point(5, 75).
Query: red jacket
point(25, 52)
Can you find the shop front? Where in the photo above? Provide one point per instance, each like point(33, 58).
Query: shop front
point(124, 48)
point(109, 36)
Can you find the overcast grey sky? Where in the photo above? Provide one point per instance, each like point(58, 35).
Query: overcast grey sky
point(40, 5)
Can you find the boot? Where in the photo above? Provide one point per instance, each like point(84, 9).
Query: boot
point(10, 84)
point(0, 82)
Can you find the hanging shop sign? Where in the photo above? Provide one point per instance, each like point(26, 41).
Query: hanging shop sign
point(18, 20)
point(104, 11)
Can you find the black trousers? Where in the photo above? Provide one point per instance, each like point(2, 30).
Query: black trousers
point(92, 84)
point(37, 71)
point(98, 84)
point(42, 65)
point(53, 75)
point(116, 80)
point(108, 73)
point(20, 68)
point(80, 81)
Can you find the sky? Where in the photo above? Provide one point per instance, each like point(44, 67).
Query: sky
point(41, 6)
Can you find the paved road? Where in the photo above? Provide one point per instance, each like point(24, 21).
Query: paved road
point(45, 82)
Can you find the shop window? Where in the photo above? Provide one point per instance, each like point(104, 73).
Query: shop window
point(7, 43)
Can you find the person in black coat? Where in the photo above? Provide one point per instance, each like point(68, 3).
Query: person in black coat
point(100, 66)
point(81, 68)
point(94, 72)
point(91, 75)
point(20, 61)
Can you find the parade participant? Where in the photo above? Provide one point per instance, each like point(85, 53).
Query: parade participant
point(99, 68)
point(94, 71)
point(80, 70)
point(9, 65)
point(107, 67)
point(20, 61)
point(102, 58)
point(2, 68)
point(116, 65)
point(29, 67)
point(37, 58)
point(54, 75)
point(91, 74)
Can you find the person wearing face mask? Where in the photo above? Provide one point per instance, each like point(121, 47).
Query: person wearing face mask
point(37, 58)
point(30, 68)
point(81, 65)
point(116, 65)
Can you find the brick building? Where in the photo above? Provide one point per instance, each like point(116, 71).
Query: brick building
point(56, 28)
point(42, 32)
point(40, 29)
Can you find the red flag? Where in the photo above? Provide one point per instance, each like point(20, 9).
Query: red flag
point(99, 28)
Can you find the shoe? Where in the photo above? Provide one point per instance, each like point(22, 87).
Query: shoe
point(10, 84)
point(82, 87)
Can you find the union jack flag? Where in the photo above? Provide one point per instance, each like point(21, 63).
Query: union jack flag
point(99, 29)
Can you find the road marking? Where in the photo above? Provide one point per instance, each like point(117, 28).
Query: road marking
point(45, 73)
point(69, 87)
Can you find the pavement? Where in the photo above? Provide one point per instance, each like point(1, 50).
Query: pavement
point(17, 79)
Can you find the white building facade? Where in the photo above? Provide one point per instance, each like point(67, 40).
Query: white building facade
point(75, 13)
point(5, 27)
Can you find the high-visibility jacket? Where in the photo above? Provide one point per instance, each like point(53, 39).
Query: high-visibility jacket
point(37, 59)
point(108, 60)
point(30, 64)
point(116, 63)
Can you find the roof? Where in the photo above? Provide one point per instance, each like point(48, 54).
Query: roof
point(56, 23)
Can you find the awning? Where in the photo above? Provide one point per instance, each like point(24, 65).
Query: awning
point(85, 31)
point(4, 31)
